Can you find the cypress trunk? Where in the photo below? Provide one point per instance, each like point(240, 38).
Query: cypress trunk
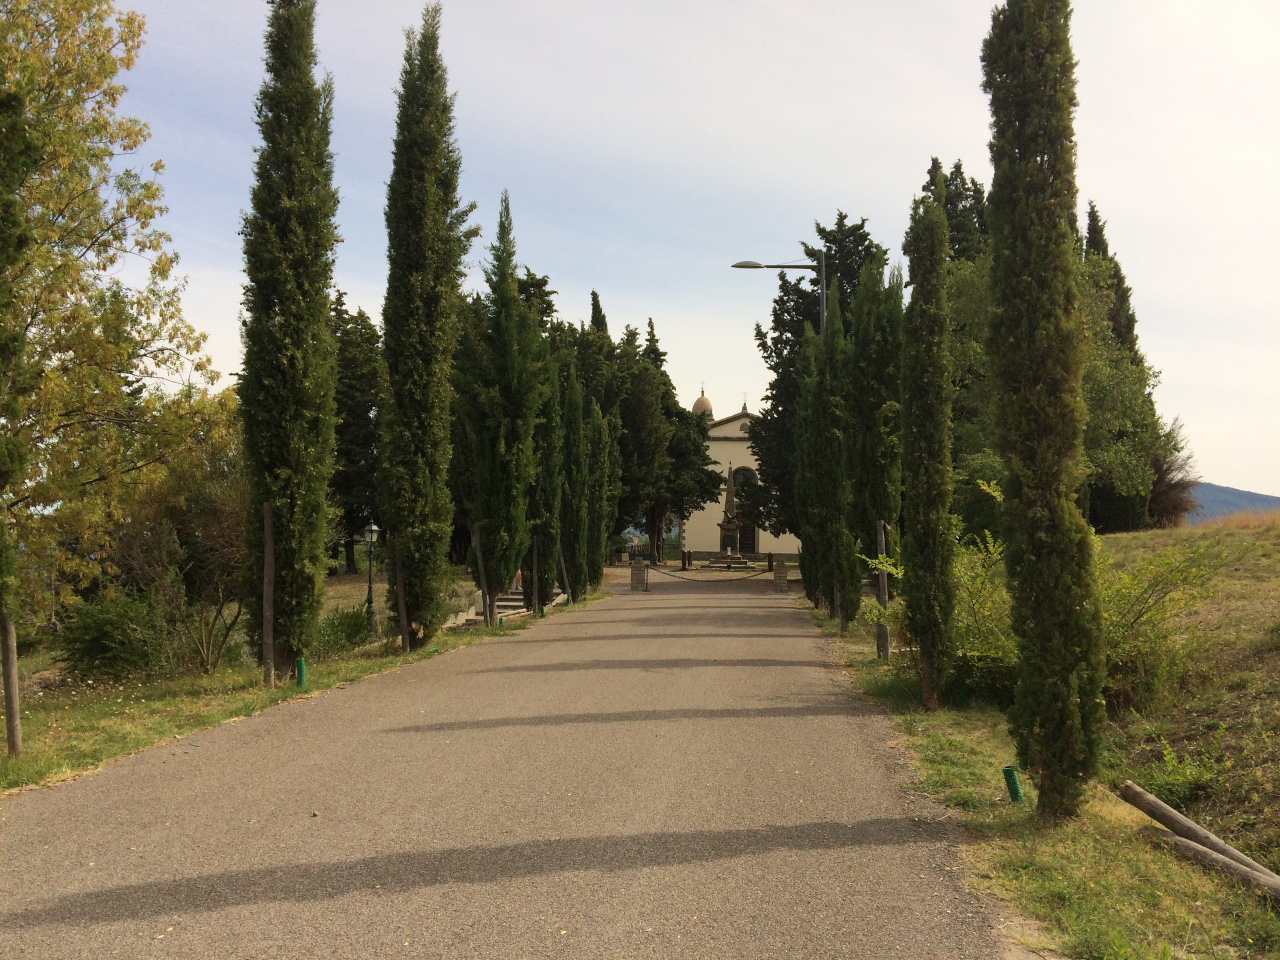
point(286, 388)
point(1035, 348)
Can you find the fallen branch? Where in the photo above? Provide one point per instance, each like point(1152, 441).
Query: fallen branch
point(1164, 814)
point(1215, 861)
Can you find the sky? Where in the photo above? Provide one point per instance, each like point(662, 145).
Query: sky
point(646, 147)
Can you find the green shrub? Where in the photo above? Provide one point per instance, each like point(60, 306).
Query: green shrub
point(119, 632)
point(1179, 781)
point(340, 631)
point(985, 666)
point(1147, 654)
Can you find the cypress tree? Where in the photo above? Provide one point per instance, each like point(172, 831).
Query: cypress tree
point(873, 456)
point(356, 398)
point(599, 323)
point(427, 238)
point(928, 542)
point(1035, 347)
point(601, 439)
point(829, 560)
point(503, 383)
point(1121, 316)
point(548, 486)
point(286, 388)
point(575, 503)
point(18, 155)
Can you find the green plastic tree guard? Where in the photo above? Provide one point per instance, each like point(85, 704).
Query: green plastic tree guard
point(1013, 783)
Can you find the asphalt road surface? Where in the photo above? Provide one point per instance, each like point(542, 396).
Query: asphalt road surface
point(679, 773)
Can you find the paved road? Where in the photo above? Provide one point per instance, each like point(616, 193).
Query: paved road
point(682, 773)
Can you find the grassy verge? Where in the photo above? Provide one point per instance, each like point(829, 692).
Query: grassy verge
point(1097, 889)
point(78, 725)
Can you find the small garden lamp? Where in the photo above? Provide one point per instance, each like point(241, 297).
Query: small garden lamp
point(370, 534)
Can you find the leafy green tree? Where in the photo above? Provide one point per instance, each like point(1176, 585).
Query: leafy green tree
point(928, 538)
point(502, 378)
point(427, 239)
point(104, 352)
point(1037, 359)
point(357, 394)
point(576, 501)
point(18, 155)
point(645, 432)
point(771, 502)
point(874, 459)
point(286, 389)
point(690, 480)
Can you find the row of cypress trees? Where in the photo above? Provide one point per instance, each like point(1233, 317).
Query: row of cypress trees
point(481, 425)
point(850, 385)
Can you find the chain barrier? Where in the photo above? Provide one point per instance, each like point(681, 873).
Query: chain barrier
point(674, 576)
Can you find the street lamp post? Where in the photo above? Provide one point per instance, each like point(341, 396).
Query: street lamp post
point(370, 534)
point(820, 267)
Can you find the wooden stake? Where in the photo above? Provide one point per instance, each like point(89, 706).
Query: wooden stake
point(1164, 814)
point(487, 607)
point(1266, 882)
point(882, 596)
point(405, 634)
point(564, 573)
point(535, 575)
point(12, 711)
point(268, 598)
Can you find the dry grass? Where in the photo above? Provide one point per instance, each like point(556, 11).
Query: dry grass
point(347, 590)
point(1264, 520)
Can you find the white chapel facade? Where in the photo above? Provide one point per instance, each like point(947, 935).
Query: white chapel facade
point(730, 448)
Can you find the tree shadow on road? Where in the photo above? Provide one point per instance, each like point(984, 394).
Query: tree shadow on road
point(402, 872)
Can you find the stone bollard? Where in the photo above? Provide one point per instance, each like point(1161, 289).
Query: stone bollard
point(639, 581)
point(780, 577)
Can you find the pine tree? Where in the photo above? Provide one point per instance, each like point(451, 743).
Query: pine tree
point(771, 503)
point(928, 542)
point(873, 457)
point(427, 238)
point(575, 503)
point(503, 383)
point(1036, 356)
point(18, 154)
point(356, 398)
point(966, 209)
point(286, 388)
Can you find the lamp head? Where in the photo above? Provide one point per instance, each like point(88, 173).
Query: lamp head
point(748, 265)
point(371, 532)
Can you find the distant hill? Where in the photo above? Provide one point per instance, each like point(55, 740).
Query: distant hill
point(1216, 501)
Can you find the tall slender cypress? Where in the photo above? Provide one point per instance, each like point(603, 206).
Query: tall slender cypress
point(1035, 347)
point(286, 388)
point(928, 541)
point(502, 381)
point(356, 398)
point(548, 487)
point(574, 505)
point(427, 238)
point(874, 460)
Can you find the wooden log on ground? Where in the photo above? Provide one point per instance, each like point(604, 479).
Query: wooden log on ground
point(1164, 814)
point(1215, 861)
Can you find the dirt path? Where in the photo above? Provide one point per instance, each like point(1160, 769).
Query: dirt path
point(680, 773)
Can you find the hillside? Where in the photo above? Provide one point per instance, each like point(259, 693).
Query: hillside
point(1215, 748)
point(1219, 501)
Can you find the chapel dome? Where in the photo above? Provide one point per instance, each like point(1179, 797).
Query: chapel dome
point(702, 405)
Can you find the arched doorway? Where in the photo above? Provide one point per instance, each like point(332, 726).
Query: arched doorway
point(744, 477)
